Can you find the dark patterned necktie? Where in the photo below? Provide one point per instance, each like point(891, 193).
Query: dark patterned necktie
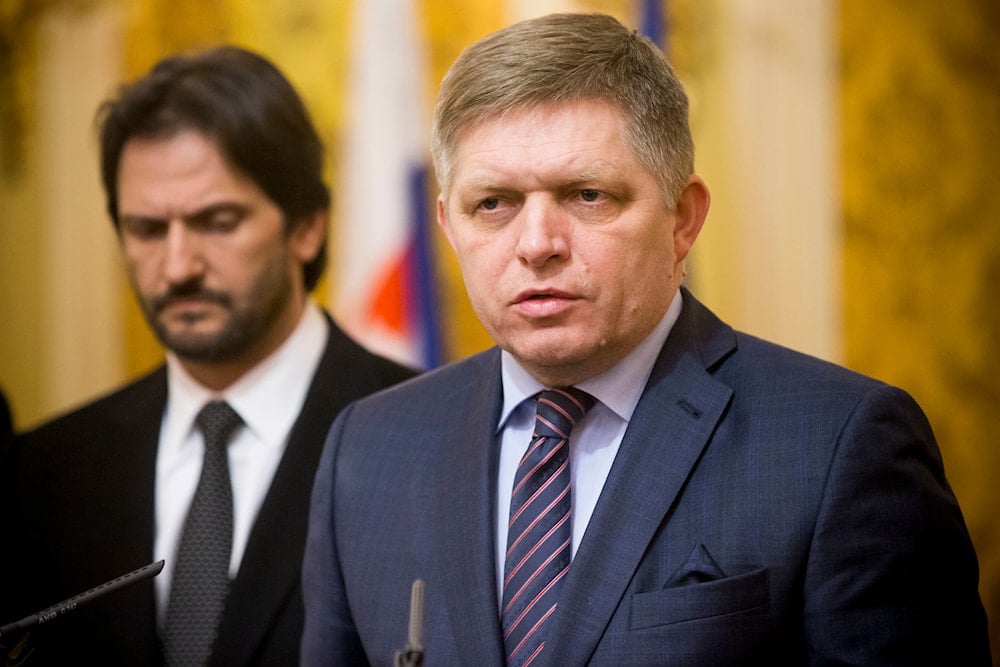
point(201, 575)
point(540, 532)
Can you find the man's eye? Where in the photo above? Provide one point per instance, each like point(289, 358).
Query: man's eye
point(590, 195)
point(222, 223)
point(489, 204)
point(144, 228)
point(217, 222)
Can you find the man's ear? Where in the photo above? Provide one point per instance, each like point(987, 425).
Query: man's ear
point(442, 219)
point(689, 215)
point(309, 235)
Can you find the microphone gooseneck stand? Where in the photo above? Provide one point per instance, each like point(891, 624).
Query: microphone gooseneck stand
point(18, 653)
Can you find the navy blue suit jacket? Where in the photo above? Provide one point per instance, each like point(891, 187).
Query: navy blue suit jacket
point(81, 512)
point(765, 507)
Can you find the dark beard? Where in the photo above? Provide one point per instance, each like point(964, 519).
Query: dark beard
point(247, 323)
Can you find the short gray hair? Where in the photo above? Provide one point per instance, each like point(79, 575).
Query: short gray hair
point(567, 57)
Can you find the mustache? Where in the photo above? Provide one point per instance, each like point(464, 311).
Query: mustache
point(188, 291)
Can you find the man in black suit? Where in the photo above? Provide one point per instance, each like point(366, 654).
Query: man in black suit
point(213, 176)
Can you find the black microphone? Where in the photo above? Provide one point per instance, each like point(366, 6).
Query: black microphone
point(57, 610)
point(413, 654)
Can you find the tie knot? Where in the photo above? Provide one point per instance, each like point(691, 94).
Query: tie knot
point(560, 409)
point(217, 421)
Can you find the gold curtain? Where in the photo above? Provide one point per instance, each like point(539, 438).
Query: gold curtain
point(921, 154)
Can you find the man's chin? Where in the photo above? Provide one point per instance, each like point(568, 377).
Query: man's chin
point(198, 346)
point(561, 345)
point(554, 363)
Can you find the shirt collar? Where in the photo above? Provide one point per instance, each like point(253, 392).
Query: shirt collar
point(287, 372)
point(616, 388)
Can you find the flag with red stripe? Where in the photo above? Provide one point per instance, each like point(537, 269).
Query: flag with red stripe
point(383, 285)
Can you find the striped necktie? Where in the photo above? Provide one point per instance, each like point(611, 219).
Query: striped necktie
point(540, 531)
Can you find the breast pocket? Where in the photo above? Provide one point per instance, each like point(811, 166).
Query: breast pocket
point(742, 592)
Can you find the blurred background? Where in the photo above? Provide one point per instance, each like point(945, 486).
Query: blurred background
point(852, 148)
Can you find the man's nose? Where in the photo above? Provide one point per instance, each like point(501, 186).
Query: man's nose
point(544, 232)
point(184, 259)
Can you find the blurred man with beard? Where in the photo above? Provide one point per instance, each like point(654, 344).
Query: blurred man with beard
point(213, 175)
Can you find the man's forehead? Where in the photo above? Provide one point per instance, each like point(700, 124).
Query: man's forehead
point(539, 109)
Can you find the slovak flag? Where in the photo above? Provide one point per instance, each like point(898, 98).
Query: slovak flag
point(383, 286)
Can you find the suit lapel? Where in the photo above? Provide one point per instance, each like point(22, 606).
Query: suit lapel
point(666, 436)
point(269, 576)
point(464, 517)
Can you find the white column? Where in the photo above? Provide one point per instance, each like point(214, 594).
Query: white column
point(765, 117)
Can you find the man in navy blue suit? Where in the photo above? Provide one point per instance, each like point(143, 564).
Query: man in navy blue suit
point(723, 501)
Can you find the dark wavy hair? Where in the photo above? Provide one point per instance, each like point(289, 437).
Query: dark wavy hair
point(243, 102)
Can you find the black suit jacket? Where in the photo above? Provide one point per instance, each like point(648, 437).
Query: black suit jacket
point(84, 514)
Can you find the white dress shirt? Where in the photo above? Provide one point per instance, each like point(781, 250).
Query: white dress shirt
point(595, 439)
point(268, 398)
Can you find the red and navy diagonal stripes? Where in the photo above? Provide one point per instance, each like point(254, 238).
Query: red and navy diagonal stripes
point(539, 532)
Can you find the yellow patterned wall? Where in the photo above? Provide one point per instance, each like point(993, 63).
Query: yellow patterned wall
point(921, 166)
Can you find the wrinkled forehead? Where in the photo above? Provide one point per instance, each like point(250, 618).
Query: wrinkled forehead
point(470, 126)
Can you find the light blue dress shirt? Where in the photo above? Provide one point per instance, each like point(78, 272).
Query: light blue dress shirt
point(595, 440)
